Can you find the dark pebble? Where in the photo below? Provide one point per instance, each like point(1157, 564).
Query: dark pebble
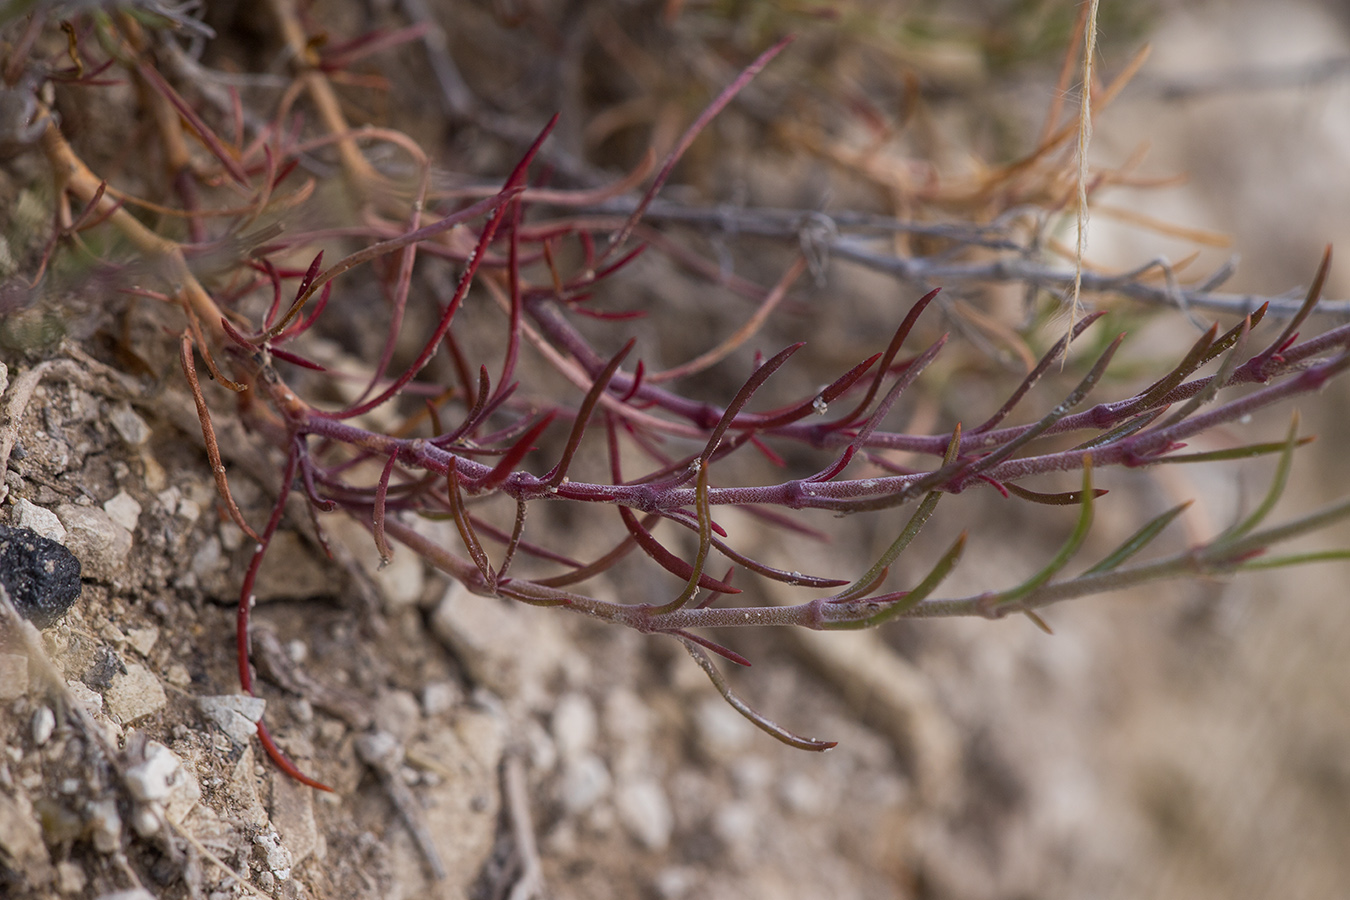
point(41, 577)
point(105, 667)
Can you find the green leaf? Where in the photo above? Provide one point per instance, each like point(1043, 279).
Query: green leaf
point(1245, 452)
point(873, 576)
point(1066, 552)
point(1138, 541)
point(1273, 493)
point(1294, 559)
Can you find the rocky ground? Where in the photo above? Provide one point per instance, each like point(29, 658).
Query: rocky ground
point(1179, 742)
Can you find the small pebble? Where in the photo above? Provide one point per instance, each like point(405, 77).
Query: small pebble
point(41, 577)
point(152, 778)
point(90, 699)
point(168, 498)
point(101, 544)
point(674, 883)
point(235, 714)
point(106, 826)
point(70, 877)
point(275, 853)
point(723, 732)
point(44, 723)
point(645, 812)
point(146, 819)
point(584, 782)
point(36, 518)
point(208, 558)
point(124, 510)
point(128, 424)
point(439, 697)
point(143, 640)
point(801, 794)
point(135, 694)
point(575, 725)
point(189, 509)
point(735, 825)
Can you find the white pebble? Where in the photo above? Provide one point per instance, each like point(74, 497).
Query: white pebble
point(439, 697)
point(128, 424)
point(278, 857)
point(235, 714)
point(124, 510)
point(44, 723)
point(574, 725)
point(645, 812)
point(105, 824)
point(584, 782)
point(152, 779)
point(44, 522)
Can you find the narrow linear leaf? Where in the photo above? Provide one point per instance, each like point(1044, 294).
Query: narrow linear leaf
point(906, 602)
point(584, 411)
point(1139, 540)
point(1066, 498)
point(1035, 374)
point(1290, 333)
point(794, 578)
point(377, 521)
point(467, 534)
point(752, 384)
point(517, 532)
point(590, 570)
point(1073, 399)
point(756, 718)
point(1038, 621)
point(1245, 452)
point(475, 413)
point(902, 383)
point(1234, 335)
point(870, 579)
point(892, 349)
point(1066, 552)
point(667, 560)
point(1123, 430)
point(812, 406)
point(704, 510)
point(1226, 370)
point(209, 437)
point(718, 104)
point(1273, 493)
point(1193, 360)
point(1294, 559)
point(725, 652)
point(513, 456)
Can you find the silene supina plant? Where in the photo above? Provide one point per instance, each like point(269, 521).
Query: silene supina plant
point(250, 285)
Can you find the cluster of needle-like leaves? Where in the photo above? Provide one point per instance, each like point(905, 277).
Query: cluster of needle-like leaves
point(538, 255)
